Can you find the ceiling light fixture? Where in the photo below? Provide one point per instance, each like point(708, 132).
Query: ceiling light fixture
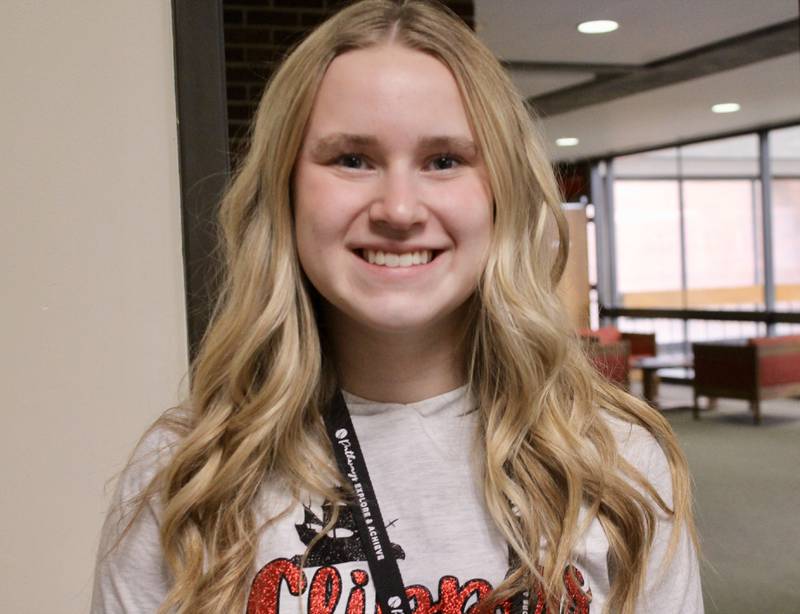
point(599, 26)
point(726, 107)
point(567, 141)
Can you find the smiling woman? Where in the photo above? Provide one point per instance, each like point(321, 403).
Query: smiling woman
point(388, 411)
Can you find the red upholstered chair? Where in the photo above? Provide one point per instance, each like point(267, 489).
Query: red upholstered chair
point(609, 353)
point(639, 344)
point(611, 360)
point(642, 345)
point(754, 370)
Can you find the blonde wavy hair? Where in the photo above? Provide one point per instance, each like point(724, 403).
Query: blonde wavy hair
point(261, 380)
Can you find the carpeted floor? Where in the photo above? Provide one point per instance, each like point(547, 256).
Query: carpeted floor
point(747, 487)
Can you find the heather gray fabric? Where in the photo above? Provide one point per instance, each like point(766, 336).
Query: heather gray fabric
point(422, 461)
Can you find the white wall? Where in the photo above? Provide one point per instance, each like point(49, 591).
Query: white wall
point(92, 324)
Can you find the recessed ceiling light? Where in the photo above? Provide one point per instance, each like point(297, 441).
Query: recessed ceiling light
point(567, 141)
point(599, 26)
point(726, 107)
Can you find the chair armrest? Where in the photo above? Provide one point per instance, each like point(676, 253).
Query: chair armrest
point(642, 344)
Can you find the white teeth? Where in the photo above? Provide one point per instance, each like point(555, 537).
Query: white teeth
point(397, 260)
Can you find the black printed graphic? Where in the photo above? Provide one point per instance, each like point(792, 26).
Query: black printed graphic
point(342, 544)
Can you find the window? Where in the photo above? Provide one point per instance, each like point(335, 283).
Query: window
point(688, 231)
point(647, 229)
point(723, 244)
point(785, 166)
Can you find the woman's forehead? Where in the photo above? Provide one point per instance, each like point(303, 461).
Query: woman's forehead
point(389, 88)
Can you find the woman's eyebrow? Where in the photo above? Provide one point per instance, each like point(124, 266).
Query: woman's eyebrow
point(460, 144)
point(340, 141)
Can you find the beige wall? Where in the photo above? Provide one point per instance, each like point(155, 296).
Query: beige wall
point(574, 286)
point(92, 323)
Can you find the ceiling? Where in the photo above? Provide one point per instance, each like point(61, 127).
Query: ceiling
point(653, 81)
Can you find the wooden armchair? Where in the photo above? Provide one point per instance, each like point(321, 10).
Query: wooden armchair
point(753, 370)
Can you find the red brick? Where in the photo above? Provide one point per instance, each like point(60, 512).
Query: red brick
point(273, 17)
point(232, 17)
point(313, 19)
point(288, 37)
point(234, 54)
point(264, 54)
point(254, 92)
point(245, 73)
point(314, 4)
point(240, 111)
point(246, 3)
point(237, 93)
point(258, 36)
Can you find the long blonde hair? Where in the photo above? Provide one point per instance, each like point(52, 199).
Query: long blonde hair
point(261, 380)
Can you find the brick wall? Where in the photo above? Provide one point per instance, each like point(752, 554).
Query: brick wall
point(573, 178)
point(258, 34)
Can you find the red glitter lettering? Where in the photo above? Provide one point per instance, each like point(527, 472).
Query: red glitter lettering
point(540, 603)
point(453, 599)
point(356, 602)
point(420, 599)
point(326, 588)
point(579, 600)
point(359, 577)
point(481, 588)
point(265, 592)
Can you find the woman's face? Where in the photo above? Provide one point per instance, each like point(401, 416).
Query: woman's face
point(391, 197)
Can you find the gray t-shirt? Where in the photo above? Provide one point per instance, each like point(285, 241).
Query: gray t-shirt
point(422, 462)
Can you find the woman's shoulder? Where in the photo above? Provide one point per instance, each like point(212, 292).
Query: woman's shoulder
point(641, 449)
point(151, 454)
point(130, 573)
point(628, 436)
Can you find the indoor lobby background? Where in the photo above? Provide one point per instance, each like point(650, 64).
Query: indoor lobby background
point(680, 214)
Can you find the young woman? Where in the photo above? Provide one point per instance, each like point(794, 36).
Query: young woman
point(395, 233)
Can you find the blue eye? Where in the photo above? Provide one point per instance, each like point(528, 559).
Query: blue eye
point(354, 161)
point(444, 162)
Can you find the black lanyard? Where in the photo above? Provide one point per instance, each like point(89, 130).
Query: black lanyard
point(389, 587)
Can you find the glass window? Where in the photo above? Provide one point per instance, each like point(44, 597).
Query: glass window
point(647, 234)
point(784, 151)
point(786, 242)
point(784, 145)
point(723, 246)
point(735, 156)
point(716, 330)
point(717, 185)
point(656, 163)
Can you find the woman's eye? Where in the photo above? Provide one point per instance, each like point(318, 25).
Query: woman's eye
point(444, 162)
point(354, 161)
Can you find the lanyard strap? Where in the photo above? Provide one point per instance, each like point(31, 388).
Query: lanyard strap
point(389, 587)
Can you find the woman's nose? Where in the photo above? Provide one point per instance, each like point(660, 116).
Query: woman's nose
point(397, 204)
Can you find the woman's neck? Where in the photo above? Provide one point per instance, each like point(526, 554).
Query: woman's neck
point(397, 367)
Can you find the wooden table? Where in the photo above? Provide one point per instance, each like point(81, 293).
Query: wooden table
point(650, 366)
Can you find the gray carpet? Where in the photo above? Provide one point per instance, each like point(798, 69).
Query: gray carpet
point(747, 487)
